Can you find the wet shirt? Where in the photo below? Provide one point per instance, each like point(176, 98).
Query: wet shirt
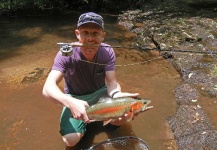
point(82, 77)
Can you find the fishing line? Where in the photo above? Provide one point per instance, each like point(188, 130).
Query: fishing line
point(168, 50)
point(142, 48)
point(182, 51)
point(124, 65)
point(67, 49)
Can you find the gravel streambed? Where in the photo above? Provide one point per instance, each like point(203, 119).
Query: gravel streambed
point(187, 38)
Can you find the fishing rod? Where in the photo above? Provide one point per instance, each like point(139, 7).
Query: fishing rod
point(182, 51)
point(67, 48)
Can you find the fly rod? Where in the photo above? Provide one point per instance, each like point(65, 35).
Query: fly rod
point(67, 48)
point(182, 51)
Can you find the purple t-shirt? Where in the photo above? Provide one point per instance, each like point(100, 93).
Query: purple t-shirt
point(84, 77)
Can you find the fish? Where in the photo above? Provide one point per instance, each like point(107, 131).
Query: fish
point(108, 109)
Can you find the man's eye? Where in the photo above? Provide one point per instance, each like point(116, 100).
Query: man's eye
point(95, 33)
point(85, 32)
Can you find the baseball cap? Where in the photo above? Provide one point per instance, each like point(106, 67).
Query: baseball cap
point(90, 17)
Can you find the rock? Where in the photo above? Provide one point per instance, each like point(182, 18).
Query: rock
point(35, 75)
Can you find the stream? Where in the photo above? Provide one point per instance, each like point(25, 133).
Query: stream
point(28, 121)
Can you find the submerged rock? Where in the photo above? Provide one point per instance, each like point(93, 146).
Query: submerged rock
point(35, 75)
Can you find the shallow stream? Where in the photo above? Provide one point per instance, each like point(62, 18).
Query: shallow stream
point(28, 121)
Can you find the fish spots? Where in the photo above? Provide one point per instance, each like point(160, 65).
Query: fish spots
point(116, 108)
point(106, 110)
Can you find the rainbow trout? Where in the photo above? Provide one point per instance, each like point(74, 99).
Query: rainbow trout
point(108, 109)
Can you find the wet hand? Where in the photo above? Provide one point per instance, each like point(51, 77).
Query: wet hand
point(124, 94)
point(78, 110)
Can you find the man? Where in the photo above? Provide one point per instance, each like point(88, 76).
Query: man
point(88, 73)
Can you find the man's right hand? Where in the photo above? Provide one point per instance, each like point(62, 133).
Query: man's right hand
point(78, 110)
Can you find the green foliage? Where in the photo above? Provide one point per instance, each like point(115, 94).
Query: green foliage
point(69, 5)
point(214, 71)
point(26, 4)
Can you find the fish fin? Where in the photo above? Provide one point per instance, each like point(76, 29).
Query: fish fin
point(104, 99)
point(106, 122)
point(92, 120)
point(130, 114)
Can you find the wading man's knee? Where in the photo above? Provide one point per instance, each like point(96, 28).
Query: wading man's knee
point(72, 139)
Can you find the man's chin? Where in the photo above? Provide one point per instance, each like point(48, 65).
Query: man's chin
point(90, 53)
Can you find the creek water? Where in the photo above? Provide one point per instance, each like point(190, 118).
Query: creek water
point(29, 121)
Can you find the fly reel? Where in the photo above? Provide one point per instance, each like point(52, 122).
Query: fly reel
point(66, 49)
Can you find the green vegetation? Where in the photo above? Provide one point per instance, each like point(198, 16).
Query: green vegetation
point(214, 71)
point(36, 6)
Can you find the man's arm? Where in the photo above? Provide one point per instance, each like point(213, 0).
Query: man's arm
point(111, 83)
point(54, 93)
point(51, 89)
point(114, 89)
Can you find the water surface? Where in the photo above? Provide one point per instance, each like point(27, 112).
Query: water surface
point(29, 121)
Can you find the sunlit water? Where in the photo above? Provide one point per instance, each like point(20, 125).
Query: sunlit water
point(29, 121)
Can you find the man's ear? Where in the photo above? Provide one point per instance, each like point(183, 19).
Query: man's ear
point(103, 36)
point(77, 33)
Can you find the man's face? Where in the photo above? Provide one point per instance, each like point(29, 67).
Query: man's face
point(90, 34)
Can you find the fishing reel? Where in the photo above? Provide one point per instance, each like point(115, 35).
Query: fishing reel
point(66, 49)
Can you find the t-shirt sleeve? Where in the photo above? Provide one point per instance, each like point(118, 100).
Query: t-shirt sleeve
point(110, 60)
point(59, 63)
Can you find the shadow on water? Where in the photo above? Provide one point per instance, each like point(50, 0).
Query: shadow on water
point(17, 32)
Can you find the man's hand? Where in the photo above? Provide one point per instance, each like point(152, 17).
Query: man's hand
point(78, 110)
point(124, 94)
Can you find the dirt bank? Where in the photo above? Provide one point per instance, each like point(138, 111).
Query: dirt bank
point(187, 38)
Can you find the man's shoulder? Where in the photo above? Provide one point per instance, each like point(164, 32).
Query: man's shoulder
point(105, 45)
point(106, 48)
point(61, 59)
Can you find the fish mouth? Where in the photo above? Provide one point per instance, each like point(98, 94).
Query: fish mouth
point(149, 107)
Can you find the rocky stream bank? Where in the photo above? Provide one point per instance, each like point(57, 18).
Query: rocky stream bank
point(187, 38)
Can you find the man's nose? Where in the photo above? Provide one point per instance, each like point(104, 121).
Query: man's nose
point(90, 36)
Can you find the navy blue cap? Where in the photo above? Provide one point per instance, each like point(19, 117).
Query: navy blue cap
point(90, 17)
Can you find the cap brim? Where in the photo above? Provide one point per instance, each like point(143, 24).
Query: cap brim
point(80, 24)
